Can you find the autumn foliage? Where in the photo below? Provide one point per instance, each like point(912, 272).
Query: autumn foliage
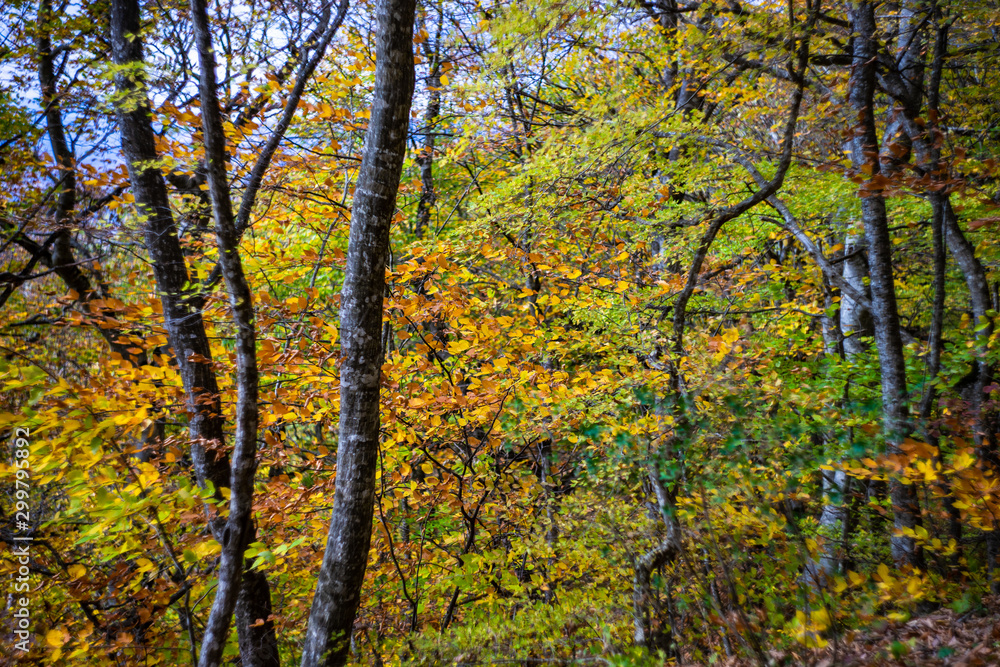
point(618, 424)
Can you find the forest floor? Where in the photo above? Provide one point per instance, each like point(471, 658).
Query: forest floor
point(942, 638)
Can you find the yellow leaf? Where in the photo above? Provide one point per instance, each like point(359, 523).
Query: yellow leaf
point(964, 460)
point(55, 637)
point(76, 571)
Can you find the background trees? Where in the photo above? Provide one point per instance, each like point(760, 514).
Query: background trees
point(687, 341)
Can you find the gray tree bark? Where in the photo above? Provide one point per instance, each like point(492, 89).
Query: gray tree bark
point(987, 420)
point(186, 331)
point(929, 163)
point(338, 588)
point(904, 78)
point(852, 311)
point(238, 528)
point(888, 341)
point(425, 158)
point(56, 252)
point(836, 484)
point(66, 187)
point(183, 320)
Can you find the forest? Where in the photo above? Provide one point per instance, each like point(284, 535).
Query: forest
point(500, 332)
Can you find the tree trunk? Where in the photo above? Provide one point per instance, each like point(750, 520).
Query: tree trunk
point(258, 643)
point(238, 527)
point(852, 313)
point(864, 156)
point(66, 186)
point(931, 154)
point(425, 158)
point(906, 83)
point(987, 420)
point(57, 252)
point(338, 588)
point(642, 595)
point(836, 484)
point(182, 315)
point(183, 321)
point(666, 552)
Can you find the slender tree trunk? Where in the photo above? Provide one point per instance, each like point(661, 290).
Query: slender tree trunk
point(852, 312)
point(910, 65)
point(835, 517)
point(642, 593)
point(183, 320)
point(987, 420)
point(933, 365)
point(864, 156)
point(238, 528)
point(66, 187)
point(937, 309)
point(836, 484)
point(57, 251)
point(425, 158)
point(258, 643)
point(338, 589)
point(931, 153)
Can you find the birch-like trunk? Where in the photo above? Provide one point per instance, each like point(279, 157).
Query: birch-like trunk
point(835, 517)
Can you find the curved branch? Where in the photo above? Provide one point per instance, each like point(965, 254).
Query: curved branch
point(264, 159)
point(766, 190)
